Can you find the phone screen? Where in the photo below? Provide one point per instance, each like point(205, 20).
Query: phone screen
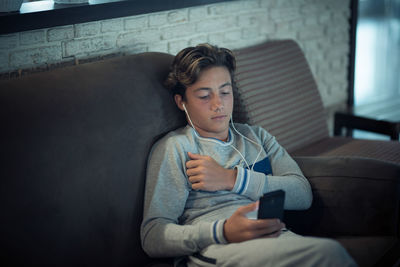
point(271, 205)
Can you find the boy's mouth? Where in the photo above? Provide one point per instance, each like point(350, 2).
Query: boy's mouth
point(219, 118)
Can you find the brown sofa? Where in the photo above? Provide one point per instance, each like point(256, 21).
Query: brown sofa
point(74, 143)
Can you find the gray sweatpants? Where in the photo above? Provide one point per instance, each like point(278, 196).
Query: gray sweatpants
point(289, 249)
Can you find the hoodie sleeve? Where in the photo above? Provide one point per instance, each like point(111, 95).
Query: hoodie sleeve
point(166, 192)
point(286, 175)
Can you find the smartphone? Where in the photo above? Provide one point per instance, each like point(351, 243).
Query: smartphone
point(271, 205)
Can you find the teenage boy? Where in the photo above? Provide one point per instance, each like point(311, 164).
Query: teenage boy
point(204, 180)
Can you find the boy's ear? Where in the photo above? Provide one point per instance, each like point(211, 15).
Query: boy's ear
point(179, 101)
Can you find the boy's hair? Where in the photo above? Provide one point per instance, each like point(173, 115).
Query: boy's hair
point(191, 61)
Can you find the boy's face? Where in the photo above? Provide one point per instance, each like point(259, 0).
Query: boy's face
point(209, 102)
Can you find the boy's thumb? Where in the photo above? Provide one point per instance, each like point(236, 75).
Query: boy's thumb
point(248, 208)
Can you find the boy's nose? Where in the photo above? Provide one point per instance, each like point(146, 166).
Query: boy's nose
point(217, 104)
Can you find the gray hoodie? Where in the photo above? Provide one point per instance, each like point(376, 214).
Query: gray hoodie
point(180, 221)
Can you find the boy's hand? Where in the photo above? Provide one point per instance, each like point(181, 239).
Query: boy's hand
point(206, 174)
point(239, 228)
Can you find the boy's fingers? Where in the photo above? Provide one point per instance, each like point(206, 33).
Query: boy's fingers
point(267, 228)
point(274, 234)
point(194, 179)
point(193, 155)
point(248, 208)
point(265, 232)
point(190, 164)
point(267, 224)
point(193, 163)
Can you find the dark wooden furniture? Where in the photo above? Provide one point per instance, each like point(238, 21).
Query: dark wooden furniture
point(381, 117)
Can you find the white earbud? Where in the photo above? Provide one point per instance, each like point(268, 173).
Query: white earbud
point(187, 114)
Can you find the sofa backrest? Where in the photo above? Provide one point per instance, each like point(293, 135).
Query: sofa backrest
point(278, 92)
point(73, 147)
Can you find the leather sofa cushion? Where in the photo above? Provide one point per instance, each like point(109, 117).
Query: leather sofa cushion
point(344, 146)
point(368, 250)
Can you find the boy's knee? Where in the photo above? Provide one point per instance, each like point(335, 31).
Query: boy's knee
point(333, 253)
point(330, 246)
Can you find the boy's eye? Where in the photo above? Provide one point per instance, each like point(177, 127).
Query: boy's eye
point(225, 93)
point(203, 97)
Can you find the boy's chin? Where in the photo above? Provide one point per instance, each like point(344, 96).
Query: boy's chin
point(215, 132)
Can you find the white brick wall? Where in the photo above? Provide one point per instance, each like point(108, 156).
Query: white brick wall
point(319, 26)
point(60, 34)
point(37, 56)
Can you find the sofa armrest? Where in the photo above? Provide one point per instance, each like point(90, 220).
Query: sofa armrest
point(352, 196)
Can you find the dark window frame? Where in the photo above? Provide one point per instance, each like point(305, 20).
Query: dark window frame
point(13, 22)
